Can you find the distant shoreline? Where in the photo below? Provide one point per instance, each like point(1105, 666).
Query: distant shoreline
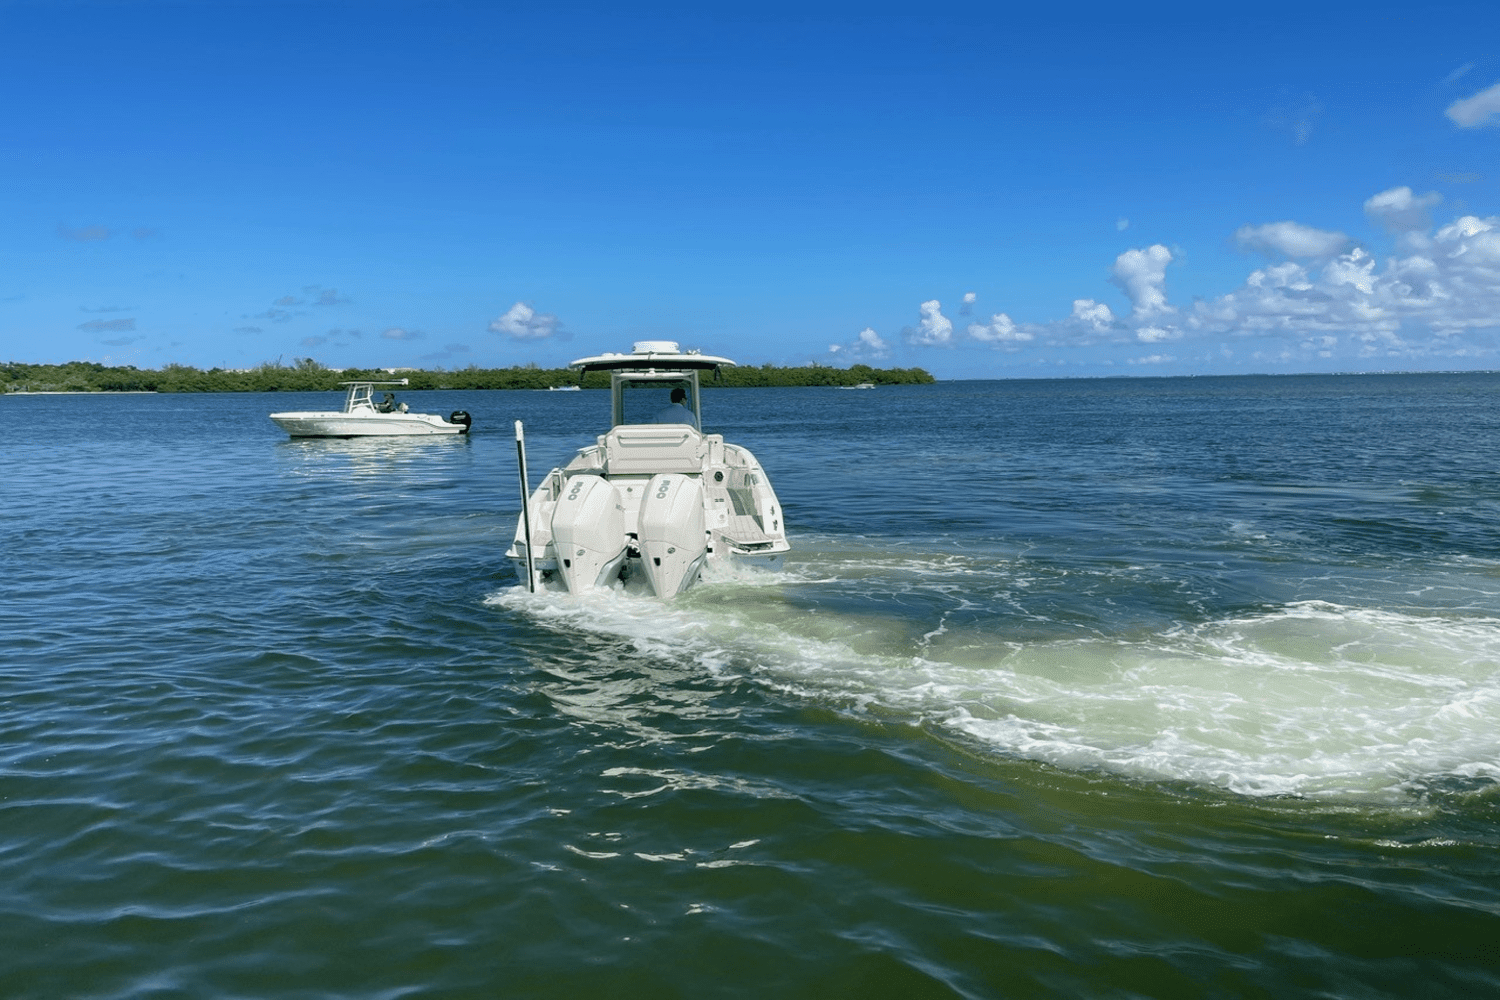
point(83, 377)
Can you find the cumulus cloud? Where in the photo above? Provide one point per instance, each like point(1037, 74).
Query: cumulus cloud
point(1399, 211)
point(933, 330)
point(966, 308)
point(1472, 112)
point(398, 333)
point(868, 346)
point(1437, 296)
point(1142, 276)
point(109, 325)
point(522, 322)
point(1001, 329)
point(1451, 287)
point(1291, 239)
point(1095, 316)
point(1157, 334)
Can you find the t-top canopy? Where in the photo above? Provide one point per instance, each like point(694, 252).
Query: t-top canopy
point(658, 355)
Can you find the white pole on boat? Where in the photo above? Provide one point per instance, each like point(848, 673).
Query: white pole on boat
point(525, 506)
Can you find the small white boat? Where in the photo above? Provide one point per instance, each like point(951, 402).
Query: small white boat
point(862, 385)
point(654, 499)
point(362, 416)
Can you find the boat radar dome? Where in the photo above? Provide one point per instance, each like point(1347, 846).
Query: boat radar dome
point(656, 347)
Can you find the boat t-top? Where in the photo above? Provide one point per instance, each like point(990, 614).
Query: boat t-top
point(655, 498)
point(362, 416)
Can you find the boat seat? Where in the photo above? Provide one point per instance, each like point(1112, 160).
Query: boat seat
point(646, 449)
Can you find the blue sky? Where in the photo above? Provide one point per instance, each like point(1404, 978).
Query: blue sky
point(986, 191)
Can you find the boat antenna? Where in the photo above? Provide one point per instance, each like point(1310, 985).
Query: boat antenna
point(525, 505)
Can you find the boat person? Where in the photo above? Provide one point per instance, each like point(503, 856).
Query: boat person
point(389, 404)
point(676, 412)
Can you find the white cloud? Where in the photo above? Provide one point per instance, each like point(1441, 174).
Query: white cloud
point(522, 322)
point(1452, 286)
point(1437, 296)
point(868, 346)
point(1000, 330)
point(1399, 211)
point(1291, 239)
point(1142, 275)
point(397, 333)
point(934, 329)
point(1096, 316)
point(970, 298)
point(1477, 110)
point(1157, 334)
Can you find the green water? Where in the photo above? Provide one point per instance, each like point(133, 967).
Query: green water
point(1140, 688)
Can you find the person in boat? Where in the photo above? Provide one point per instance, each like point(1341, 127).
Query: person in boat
point(677, 412)
point(388, 404)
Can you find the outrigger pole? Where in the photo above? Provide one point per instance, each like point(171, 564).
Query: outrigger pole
point(525, 506)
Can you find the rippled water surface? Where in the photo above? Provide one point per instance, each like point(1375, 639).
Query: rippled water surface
point(1122, 688)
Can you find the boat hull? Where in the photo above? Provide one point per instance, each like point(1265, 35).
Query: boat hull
point(346, 425)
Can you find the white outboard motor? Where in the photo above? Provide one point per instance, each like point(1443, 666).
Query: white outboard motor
point(588, 533)
point(673, 545)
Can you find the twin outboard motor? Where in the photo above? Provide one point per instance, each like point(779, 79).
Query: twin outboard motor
point(460, 417)
point(588, 532)
point(672, 542)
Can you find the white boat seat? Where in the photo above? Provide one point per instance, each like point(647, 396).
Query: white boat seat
point(646, 449)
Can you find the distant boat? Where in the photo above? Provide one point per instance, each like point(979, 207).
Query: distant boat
point(363, 417)
point(862, 385)
point(563, 388)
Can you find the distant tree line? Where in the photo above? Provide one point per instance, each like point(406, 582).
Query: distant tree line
point(307, 375)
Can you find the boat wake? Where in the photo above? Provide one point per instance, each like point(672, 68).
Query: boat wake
point(1309, 699)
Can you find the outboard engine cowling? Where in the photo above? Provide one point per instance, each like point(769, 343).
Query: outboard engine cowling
point(672, 542)
point(588, 532)
point(460, 417)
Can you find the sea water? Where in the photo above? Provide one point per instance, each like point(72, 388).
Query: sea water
point(1108, 688)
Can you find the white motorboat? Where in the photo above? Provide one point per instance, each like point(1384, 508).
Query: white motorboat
point(362, 416)
point(654, 499)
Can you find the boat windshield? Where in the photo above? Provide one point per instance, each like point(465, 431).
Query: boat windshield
point(652, 402)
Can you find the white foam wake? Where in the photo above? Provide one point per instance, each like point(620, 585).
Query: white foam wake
point(1312, 699)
